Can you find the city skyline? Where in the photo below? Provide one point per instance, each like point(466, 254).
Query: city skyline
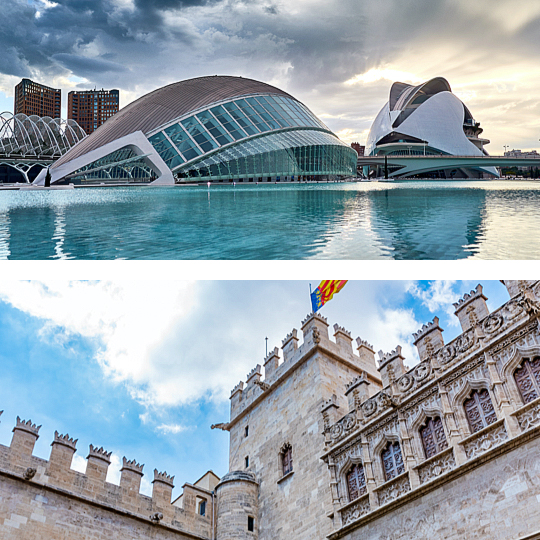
point(144, 368)
point(340, 59)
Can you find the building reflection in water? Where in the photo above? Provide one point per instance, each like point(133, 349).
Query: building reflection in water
point(354, 221)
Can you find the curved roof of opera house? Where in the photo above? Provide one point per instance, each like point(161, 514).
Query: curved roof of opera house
point(172, 101)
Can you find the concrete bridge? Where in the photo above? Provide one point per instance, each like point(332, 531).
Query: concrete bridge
point(418, 164)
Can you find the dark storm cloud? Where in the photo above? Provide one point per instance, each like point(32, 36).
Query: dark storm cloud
point(87, 67)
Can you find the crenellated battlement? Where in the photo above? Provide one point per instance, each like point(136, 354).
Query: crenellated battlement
point(163, 477)
point(132, 466)
point(55, 475)
point(65, 440)
point(99, 453)
point(27, 426)
point(314, 315)
point(467, 298)
point(426, 329)
point(362, 343)
point(315, 338)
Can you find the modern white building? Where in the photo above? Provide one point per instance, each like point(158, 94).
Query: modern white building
point(209, 129)
point(428, 119)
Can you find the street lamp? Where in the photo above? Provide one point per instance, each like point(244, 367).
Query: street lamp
point(505, 146)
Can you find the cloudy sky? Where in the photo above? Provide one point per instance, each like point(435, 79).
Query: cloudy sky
point(338, 57)
point(144, 368)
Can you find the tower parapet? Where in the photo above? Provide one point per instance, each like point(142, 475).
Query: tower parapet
point(472, 308)
point(391, 366)
point(428, 339)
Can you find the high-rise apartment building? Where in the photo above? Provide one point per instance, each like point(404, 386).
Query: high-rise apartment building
point(91, 108)
point(38, 99)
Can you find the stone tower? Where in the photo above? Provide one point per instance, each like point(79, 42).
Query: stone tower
point(277, 434)
point(238, 506)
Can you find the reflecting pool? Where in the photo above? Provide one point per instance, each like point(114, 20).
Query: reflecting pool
point(401, 220)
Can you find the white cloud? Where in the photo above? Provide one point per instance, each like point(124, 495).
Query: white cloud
point(439, 296)
point(171, 428)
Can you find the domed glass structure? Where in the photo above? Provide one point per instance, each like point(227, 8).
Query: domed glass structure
point(217, 129)
point(428, 119)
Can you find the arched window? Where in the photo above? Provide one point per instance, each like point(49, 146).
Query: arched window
point(392, 460)
point(433, 437)
point(479, 410)
point(528, 379)
point(356, 482)
point(286, 459)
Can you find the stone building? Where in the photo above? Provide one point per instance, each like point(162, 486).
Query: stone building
point(341, 446)
point(332, 444)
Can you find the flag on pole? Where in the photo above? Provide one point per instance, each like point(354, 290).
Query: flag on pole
point(325, 291)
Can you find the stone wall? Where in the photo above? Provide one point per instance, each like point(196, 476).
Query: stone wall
point(47, 499)
point(498, 500)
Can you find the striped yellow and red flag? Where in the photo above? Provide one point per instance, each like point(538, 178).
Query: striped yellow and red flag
point(325, 291)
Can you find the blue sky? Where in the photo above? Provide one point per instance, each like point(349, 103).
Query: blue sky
point(143, 368)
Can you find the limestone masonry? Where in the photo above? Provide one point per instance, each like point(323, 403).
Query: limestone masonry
point(332, 443)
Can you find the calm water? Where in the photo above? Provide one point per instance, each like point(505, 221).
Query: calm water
point(405, 220)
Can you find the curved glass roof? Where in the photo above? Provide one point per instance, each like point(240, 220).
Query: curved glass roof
point(167, 103)
point(227, 123)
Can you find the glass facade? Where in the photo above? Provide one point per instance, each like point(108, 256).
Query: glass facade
point(252, 138)
point(238, 139)
point(123, 164)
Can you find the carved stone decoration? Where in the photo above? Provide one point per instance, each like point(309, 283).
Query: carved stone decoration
point(466, 341)
point(529, 416)
point(30, 473)
point(493, 323)
point(405, 382)
point(512, 309)
point(437, 465)
point(529, 304)
point(336, 431)
point(316, 336)
point(353, 451)
point(447, 354)
point(355, 511)
point(485, 440)
point(343, 427)
point(394, 489)
point(349, 422)
point(422, 371)
point(384, 401)
point(369, 407)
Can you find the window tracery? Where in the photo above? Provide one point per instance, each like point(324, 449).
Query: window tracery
point(527, 378)
point(479, 410)
point(433, 437)
point(392, 460)
point(356, 482)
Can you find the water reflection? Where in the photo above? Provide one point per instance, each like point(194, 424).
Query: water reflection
point(416, 220)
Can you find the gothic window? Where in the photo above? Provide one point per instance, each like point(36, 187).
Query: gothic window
point(479, 410)
point(286, 459)
point(528, 379)
point(392, 460)
point(433, 437)
point(356, 482)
